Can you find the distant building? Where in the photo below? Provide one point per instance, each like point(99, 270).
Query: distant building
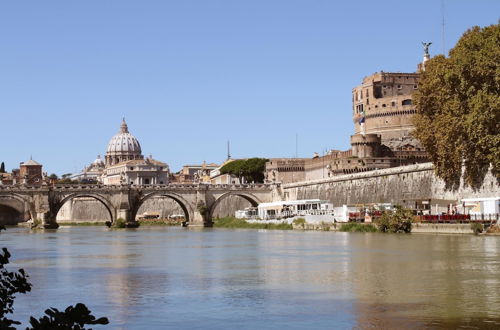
point(216, 177)
point(138, 171)
point(286, 170)
point(30, 172)
point(6, 178)
point(194, 173)
point(91, 173)
point(124, 164)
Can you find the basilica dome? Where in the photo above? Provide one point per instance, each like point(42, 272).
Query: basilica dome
point(98, 162)
point(123, 147)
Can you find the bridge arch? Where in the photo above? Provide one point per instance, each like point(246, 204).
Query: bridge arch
point(104, 201)
point(185, 206)
point(249, 197)
point(14, 209)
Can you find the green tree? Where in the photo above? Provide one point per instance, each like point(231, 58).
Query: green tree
point(458, 109)
point(399, 221)
point(2, 168)
point(11, 283)
point(251, 169)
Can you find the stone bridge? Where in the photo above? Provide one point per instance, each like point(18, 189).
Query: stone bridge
point(198, 201)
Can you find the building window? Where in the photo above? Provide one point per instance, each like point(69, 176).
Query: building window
point(146, 181)
point(131, 168)
point(383, 105)
point(399, 87)
point(415, 86)
point(406, 102)
point(393, 104)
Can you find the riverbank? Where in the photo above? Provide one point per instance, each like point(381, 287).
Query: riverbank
point(159, 223)
point(83, 224)
point(231, 222)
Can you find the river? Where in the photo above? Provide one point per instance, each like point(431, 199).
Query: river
point(177, 278)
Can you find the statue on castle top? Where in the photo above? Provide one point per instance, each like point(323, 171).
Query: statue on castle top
point(426, 47)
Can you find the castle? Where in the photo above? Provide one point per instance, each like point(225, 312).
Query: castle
point(382, 111)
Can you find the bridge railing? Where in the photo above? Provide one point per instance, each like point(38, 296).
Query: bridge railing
point(71, 186)
point(458, 218)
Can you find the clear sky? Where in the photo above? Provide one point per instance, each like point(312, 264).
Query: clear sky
point(190, 75)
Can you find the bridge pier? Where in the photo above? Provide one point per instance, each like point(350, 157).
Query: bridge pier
point(45, 220)
point(201, 214)
point(126, 214)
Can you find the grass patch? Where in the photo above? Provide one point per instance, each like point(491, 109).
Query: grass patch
point(299, 221)
point(355, 227)
point(159, 223)
point(477, 228)
point(119, 223)
point(231, 222)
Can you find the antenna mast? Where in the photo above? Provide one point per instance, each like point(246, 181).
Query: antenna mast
point(442, 27)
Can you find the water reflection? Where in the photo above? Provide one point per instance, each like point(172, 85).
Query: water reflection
point(156, 278)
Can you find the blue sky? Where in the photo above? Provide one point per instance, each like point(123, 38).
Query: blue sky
point(190, 75)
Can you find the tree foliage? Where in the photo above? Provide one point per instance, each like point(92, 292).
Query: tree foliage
point(458, 108)
point(251, 169)
point(398, 221)
point(2, 167)
point(74, 318)
point(12, 283)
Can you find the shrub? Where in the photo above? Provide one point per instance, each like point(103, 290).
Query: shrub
point(120, 223)
point(203, 209)
point(477, 227)
point(398, 221)
point(299, 222)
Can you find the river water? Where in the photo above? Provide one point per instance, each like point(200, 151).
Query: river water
point(177, 278)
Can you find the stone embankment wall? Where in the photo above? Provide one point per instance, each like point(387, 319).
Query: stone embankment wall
point(85, 209)
point(441, 228)
point(399, 185)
